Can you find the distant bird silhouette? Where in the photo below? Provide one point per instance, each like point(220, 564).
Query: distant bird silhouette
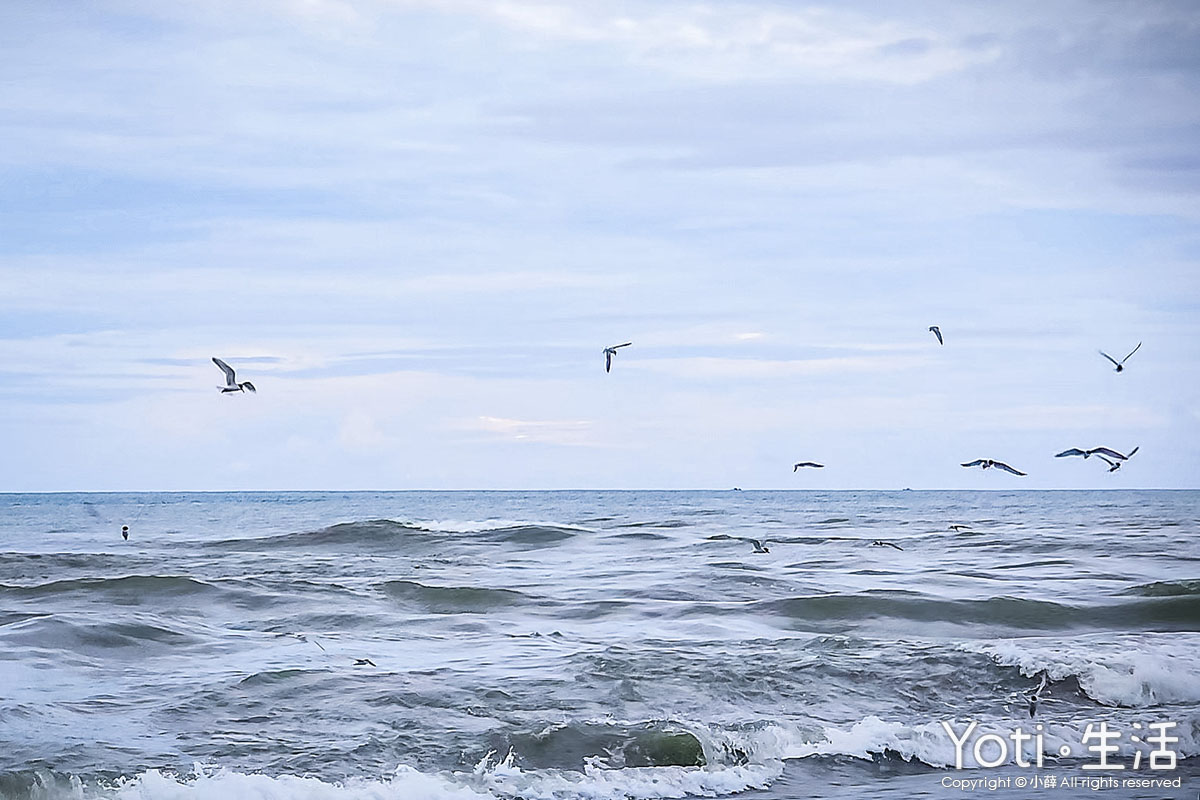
point(231, 384)
point(125, 532)
point(936, 332)
point(957, 528)
point(807, 464)
point(362, 662)
point(1120, 364)
point(759, 547)
point(609, 352)
point(987, 463)
point(881, 543)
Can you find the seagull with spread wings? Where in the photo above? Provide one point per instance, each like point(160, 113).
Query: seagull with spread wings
point(231, 384)
point(987, 463)
point(814, 464)
point(1120, 365)
point(609, 352)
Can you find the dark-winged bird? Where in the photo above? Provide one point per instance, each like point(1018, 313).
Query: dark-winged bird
point(1120, 364)
point(231, 384)
point(881, 543)
point(936, 331)
point(609, 352)
point(808, 464)
point(987, 463)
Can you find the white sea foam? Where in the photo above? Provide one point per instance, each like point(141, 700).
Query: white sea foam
point(1130, 670)
point(474, 525)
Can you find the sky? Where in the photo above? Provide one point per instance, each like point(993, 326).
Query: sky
point(415, 224)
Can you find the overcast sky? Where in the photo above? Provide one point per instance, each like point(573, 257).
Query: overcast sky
point(414, 225)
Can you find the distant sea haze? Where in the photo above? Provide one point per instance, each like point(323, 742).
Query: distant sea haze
point(600, 645)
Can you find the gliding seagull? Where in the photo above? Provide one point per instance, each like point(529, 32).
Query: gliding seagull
point(807, 464)
point(231, 384)
point(987, 463)
point(1120, 364)
point(1105, 451)
point(609, 352)
point(881, 543)
point(936, 331)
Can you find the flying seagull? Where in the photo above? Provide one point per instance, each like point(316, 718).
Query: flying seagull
point(1120, 364)
point(1113, 466)
point(1105, 451)
point(881, 543)
point(958, 528)
point(807, 464)
point(231, 384)
point(759, 547)
point(363, 662)
point(987, 463)
point(609, 352)
point(937, 332)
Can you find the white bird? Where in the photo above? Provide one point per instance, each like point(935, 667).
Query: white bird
point(987, 463)
point(1120, 364)
point(936, 331)
point(1034, 697)
point(231, 384)
point(609, 352)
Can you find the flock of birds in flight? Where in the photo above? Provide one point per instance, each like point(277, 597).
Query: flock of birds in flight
point(1111, 457)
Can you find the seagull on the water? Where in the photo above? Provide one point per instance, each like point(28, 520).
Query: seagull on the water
point(609, 352)
point(881, 543)
point(363, 662)
point(231, 384)
point(807, 464)
point(936, 331)
point(987, 463)
point(1120, 364)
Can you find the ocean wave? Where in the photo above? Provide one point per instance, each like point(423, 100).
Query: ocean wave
point(451, 599)
point(386, 535)
point(122, 589)
point(1162, 612)
point(1132, 671)
point(1166, 588)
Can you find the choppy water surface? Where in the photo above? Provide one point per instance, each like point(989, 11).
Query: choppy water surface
point(585, 644)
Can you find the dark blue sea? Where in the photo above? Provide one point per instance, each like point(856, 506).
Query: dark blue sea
point(598, 645)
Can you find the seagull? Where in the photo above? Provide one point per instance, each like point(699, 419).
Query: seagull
point(609, 352)
point(807, 464)
point(1035, 696)
point(936, 332)
point(1120, 364)
point(231, 384)
point(986, 463)
point(125, 532)
point(1104, 451)
point(363, 662)
point(881, 543)
point(759, 547)
point(1113, 466)
point(957, 528)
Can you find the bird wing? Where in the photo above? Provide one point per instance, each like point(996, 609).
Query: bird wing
point(1006, 468)
point(974, 463)
point(1110, 358)
point(608, 360)
point(1106, 461)
point(626, 344)
point(1104, 451)
point(249, 385)
point(1074, 451)
point(937, 333)
point(1131, 452)
point(230, 380)
point(893, 544)
point(1131, 352)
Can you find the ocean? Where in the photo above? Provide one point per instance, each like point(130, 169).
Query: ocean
point(599, 644)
